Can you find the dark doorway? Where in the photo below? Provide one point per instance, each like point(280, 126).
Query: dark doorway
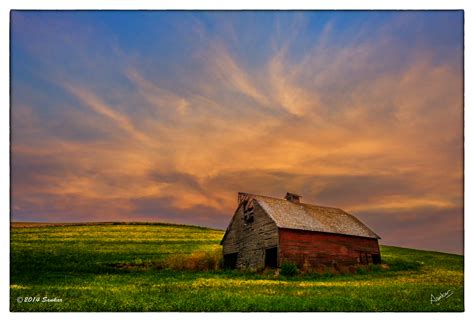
point(230, 260)
point(271, 256)
point(376, 259)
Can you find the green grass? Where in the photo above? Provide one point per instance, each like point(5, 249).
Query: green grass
point(84, 266)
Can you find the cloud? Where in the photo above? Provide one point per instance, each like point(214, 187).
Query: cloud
point(441, 229)
point(125, 128)
point(97, 105)
point(163, 209)
point(226, 70)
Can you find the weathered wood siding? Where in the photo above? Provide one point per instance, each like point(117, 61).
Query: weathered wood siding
point(298, 246)
point(250, 240)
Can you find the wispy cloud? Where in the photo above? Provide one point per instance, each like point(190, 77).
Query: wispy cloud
point(170, 124)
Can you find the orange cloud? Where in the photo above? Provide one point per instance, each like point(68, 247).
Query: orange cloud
point(335, 125)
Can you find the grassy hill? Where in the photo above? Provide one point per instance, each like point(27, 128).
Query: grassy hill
point(121, 267)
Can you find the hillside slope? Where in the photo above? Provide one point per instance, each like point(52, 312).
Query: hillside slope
point(110, 267)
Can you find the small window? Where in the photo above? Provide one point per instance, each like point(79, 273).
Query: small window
point(248, 218)
point(248, 213)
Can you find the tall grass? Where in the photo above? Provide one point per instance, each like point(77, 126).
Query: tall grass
point(176, 268)
point(209, 260)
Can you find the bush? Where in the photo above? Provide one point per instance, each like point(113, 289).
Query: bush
point(361, 269)
point(288, 269)
point(374, 268)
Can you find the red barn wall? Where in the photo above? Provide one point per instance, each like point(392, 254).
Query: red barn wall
point(299, 246)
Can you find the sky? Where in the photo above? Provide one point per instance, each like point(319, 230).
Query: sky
point(165, 116)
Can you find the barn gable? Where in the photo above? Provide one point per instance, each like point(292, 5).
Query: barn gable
point(249, 235)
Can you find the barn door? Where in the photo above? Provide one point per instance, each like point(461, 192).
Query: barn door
point(376, 259)
point(271, 257)
point(230, 260)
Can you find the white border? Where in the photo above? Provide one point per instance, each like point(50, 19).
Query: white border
point(6, 5)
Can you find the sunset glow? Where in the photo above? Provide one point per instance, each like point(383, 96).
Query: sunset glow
point(165, 116)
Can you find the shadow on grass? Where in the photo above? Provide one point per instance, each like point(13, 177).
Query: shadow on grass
point(363, 272)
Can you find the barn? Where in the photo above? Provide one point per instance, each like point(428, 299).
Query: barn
point(267, 232)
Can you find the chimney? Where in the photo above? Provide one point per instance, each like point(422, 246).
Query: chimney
point(293, 197)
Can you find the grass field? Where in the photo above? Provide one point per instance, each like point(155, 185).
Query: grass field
point(113, 267)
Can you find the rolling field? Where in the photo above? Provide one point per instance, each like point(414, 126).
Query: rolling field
point(118, 267)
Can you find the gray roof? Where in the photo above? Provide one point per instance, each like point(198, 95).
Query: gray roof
point(287, 214)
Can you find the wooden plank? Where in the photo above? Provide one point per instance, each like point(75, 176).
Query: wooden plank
point(251, 239)
point(317, 248)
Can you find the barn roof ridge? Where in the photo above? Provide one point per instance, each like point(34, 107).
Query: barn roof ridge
point(301, 203)
point(304, 216)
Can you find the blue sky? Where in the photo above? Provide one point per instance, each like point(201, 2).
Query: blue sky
point(164, 116)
